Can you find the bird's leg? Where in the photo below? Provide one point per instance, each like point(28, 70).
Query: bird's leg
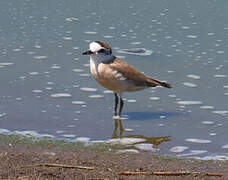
point(121, 105)
point(121, 127)
point(114, 134)
point(116, 103)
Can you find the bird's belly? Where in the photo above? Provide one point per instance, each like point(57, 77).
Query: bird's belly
point(118, 86)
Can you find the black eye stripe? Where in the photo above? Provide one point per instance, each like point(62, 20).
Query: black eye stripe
point(101, 51)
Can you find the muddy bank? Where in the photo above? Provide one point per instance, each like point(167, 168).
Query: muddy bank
point(25, 159)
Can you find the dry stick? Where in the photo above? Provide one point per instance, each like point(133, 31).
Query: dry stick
point(59, 165)
point(168, 173)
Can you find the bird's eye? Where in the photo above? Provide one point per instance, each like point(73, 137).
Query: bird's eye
point(101, 51)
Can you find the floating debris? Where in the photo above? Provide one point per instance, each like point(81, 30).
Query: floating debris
point(71, 19)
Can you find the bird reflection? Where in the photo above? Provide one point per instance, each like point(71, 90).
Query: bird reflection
point(156, 141)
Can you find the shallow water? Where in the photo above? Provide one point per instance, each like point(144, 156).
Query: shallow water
point(46, 87)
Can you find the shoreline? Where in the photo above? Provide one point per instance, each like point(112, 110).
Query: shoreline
point(26, 158)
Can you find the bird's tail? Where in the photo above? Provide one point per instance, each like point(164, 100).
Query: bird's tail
point(154, 82)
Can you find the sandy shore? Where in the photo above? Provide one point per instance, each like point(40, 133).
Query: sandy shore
point(25, 159)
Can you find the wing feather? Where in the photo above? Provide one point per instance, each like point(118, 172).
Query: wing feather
point(134, 75)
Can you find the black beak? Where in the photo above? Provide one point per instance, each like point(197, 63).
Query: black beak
point(87, 52)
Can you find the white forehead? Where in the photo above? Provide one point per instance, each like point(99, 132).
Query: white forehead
point(94, 47)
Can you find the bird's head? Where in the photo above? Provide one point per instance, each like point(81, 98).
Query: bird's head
point(98, 48)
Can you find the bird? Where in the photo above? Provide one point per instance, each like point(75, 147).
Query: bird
point(117, 75)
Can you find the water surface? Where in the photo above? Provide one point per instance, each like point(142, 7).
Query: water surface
point(46, 87)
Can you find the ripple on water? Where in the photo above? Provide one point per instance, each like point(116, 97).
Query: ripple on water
point(33, 73)
point(185, 27)
point(189, 102)
point(225, 146)
point(154, 98)
point(136, 43)
point(145, 147)
point(2, 115)
point(61, 95)
point(79, 102)
point(33, 133)
point(40, 57)
point(131, 100)
point(178, 149)
point(193, 153)
point(82, 139)
point(67, 38)
point(200, 141)
point(126, 141)
point(4, 131)
point(55, 66)
point(88, 89)
point(208, 122)
point(68, 135)
point(84, 75)
point(193, 76)
point(96, 96)
point(221, 158)
point(128, 151)
point(6, 64)
point(107, 92)
point(207, 107)
point(78, 70)
point(136, 51)
point(223, 113)
point(188, 84)
point(37, 91)
point(220, 75)
point(191, 36)
point(90, 32)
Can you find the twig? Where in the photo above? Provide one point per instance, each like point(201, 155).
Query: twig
point(168, 173)
point(59, 165)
